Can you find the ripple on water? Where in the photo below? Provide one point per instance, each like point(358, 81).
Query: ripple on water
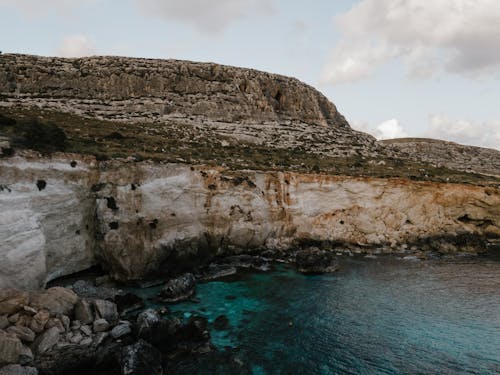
point(374, 316)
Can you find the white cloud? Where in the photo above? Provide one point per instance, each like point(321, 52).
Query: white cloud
point(458, 36)
point(205, 15)
point(485, 134)
point(37, 8)
point(76, 46)
point(386, 130)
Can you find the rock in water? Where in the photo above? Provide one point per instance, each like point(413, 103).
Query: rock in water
point(179, 289)
point(141, 359)
point(314, 260)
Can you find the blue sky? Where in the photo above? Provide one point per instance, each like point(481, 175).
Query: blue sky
point(393, 67)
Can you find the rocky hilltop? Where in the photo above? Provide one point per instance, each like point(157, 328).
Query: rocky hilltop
point(146, 166)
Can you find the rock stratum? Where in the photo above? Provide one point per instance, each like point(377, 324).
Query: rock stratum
point(170, 163)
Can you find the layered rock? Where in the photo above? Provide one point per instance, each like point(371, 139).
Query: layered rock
point(151, 216)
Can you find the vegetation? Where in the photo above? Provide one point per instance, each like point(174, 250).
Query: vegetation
point(178, 142)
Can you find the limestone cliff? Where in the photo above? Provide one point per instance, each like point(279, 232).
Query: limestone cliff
point(62, 214)
point(172, 161)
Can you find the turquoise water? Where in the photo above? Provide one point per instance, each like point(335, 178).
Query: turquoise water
point(381, 316)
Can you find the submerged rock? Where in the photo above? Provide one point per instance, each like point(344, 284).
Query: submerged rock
point(179, 289)
point(314, 260)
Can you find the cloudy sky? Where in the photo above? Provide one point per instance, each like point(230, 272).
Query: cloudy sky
point(394, 68)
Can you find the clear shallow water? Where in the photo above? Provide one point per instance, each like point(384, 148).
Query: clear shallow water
point(380, 316)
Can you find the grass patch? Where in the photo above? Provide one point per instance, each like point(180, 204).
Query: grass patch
point(179, 142)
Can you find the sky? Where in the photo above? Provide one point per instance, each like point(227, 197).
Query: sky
point(393, 68)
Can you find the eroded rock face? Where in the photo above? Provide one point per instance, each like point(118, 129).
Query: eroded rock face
point(162, 89)
point(168, 214)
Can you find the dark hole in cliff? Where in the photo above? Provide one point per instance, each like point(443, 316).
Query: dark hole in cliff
point(113, 225)
point(111, 203)
point(73, 164)
point(153, 224)
point(41, 184)
point(133, 187)
point(278, 96)
point(212, 187)
point(97, 187)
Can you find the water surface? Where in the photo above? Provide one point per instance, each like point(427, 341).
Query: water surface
point(382, 316)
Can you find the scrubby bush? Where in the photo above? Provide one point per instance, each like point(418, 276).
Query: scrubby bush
point(45, 137)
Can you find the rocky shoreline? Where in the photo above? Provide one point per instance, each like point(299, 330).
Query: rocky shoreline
point(94, 324)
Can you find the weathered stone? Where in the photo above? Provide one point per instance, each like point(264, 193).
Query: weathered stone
point(10, 349)
point(56, 300)
point(86, 330)
point(122, 329)
point(26, 355)
point(75, 339)
point(100, 325)
point(179, 289)
point(55, 322)
point(141, 358)
point(4, 322)
point(18, 370)
point(12, 301)
point(39, 320)
point(46, 340)
point(23, 333)
point(106, 310)
point(83, 311)
point(66, 322)
point(314, 260)
point(86, 341)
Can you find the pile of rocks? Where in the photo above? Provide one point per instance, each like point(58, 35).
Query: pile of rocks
point(32, 324)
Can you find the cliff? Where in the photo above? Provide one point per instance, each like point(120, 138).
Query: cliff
point(169, 163)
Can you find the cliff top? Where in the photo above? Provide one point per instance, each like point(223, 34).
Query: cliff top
point(205, 113)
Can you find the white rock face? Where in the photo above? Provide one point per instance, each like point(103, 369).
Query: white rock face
point(46, 221)
point(136, 217)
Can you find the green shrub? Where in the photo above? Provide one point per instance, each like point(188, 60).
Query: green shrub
point(45, 137)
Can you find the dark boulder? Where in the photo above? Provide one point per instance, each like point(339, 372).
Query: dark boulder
point(179, 289)
point(314, 260)
point(141, 358)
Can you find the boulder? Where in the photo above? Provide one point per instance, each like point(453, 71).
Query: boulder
point(23, 333)
point(160, 332)
point(12, 301)
point(47, 340)
point(39, 320)
point(128, 302)
point(106, 310)
point(100, 325)
point(121, 330)
point(10, 348)
point(314, 260)
point(83, 311)
point(56, 300)
point(18, 370)
point(141, 358)
point(4, 322)
point(26, 356)
point(179, 289)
